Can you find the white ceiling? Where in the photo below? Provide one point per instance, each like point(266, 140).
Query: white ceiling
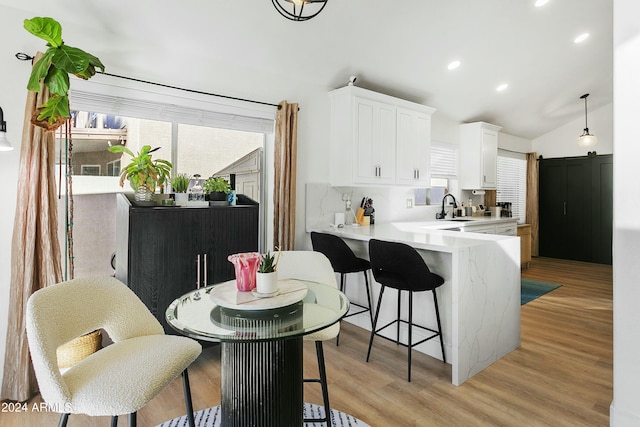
point(401, 48)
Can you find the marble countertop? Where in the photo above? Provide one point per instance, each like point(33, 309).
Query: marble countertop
point(429, 235)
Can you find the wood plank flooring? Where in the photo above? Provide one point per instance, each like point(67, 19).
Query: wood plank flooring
point(560, 376)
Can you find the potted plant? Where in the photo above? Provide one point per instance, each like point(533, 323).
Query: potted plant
point(267, 275)
point(180, 185)
point(216, 188)
point(143, 172)
point(55, 66)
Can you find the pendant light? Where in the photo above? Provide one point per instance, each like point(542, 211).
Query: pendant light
point(5, 145)
point(299, 10)
point(586, 139)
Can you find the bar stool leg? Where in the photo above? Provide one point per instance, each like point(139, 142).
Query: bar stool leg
point(398, 322)
point(410, 330)
point(342, 285)
point(375, 322)
point(366, 284)
point(435, 303)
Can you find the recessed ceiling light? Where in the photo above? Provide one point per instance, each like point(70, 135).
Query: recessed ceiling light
point(540, 3)
point(502, 87)
point(582, 37)
point(453, 65)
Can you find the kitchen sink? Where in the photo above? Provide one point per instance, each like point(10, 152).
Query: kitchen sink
point(461, 220)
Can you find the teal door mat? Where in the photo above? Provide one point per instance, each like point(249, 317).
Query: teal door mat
point(532, 289)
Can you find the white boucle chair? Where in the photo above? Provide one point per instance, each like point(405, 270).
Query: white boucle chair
point(315, 267)
point(122, 377)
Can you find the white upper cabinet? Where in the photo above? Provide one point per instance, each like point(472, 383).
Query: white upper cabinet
point(378, 139)
point(478, 156)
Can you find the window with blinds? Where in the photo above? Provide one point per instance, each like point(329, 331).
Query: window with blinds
point(512, 182)
point(444, 160)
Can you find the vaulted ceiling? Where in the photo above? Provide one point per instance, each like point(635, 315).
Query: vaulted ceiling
point(401, 48)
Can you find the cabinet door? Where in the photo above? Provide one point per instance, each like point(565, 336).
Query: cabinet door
point(375, 142)
point(489, 158)
point(162, 257)
point(227, 231)
point(413, 148)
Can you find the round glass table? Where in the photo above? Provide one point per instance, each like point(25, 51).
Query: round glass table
point(261, 344)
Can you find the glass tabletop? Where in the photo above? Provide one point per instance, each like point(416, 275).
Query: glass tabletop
point(195, 314)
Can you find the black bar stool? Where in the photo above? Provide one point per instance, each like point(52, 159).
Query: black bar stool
point(343, 261)
point(399, 266)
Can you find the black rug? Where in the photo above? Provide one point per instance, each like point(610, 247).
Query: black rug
point(211, 417)
point(532, 289)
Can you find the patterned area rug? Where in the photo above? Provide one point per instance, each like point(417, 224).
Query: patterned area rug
point(211, 417)
point(532, 289)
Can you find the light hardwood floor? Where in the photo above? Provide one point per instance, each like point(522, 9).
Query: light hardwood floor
point(560, 376)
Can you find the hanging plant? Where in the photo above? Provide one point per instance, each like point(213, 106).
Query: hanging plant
point(54, 67)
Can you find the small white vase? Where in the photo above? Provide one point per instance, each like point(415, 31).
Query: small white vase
point(266, 283)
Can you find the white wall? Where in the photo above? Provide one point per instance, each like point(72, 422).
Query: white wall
point(625, 408)
point(562, 141)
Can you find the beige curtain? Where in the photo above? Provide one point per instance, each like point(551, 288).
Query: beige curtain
point(532, 201)
point(35, 251)
point(284, 186)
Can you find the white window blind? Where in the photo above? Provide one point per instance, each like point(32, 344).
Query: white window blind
point(199, 113)
point(512, 182)
point(444, 160)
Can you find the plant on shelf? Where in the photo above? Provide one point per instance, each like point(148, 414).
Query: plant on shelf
point(180, 183)
point(216, 188)
point(55, 66)
point(143, 173)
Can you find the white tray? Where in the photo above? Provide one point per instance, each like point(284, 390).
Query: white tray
point(290, 291)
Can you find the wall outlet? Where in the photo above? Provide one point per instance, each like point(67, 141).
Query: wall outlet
point(409, 203)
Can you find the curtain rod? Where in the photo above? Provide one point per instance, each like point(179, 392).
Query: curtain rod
point(24, 57)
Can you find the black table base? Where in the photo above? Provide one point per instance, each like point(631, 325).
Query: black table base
point(262, 383)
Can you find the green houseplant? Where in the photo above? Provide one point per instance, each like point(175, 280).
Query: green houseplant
point(216, 188)
point(143, 173)
point(55, 66)
point(267, 275)
point(180, 185)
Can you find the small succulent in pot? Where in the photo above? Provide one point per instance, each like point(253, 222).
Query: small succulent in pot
point(180, 183)
point(268, 264)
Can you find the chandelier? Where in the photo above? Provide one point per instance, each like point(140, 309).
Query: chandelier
point(299, 10)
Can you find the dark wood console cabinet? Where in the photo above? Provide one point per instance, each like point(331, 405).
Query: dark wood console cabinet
point(164, 252)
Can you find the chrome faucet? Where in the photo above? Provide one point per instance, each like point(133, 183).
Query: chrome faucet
point(442, 213)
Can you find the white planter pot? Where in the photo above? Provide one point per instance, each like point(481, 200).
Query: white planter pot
point(266, 283)
point(181, 198)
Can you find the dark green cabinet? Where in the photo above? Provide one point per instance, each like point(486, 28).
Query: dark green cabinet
point(576, 208)
point(164, 252)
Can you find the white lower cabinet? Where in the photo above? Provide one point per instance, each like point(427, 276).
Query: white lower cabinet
point(509, 228)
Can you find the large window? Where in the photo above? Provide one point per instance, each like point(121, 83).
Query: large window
point(512, 182)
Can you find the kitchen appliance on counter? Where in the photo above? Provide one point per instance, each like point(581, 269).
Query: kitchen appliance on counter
point(505, 209)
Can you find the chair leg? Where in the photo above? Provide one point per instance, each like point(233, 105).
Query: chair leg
point(366, 284)
point(114, 421)
point(325, 388)
point(63, 420)
point(342, 286)
point(375, 322)
point(187, 398)
point(409, 340)
point(398, 324)
point(133, 419)
point(435, 303)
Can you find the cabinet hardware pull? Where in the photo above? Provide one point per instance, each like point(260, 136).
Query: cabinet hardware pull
point(564, 208)
point(198, 271)
point(204, 284)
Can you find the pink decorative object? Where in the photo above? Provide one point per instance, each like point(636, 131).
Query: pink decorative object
point(246, 266)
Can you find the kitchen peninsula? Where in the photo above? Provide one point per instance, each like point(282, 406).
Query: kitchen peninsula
point(479, 302)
